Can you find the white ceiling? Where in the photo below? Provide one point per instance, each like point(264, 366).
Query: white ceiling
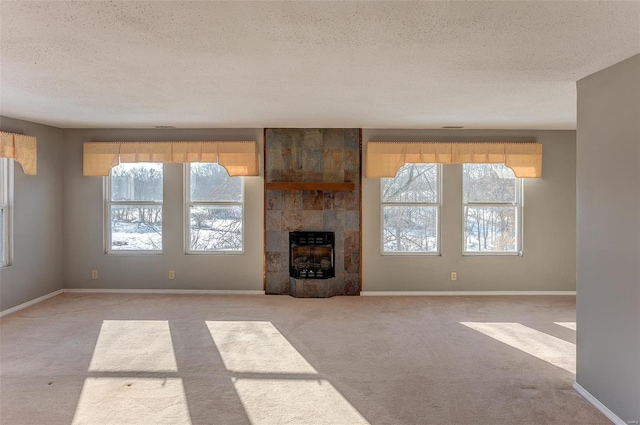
point(307, 64)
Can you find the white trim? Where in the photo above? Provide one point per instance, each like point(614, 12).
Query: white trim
point(30, 303)
point(6, 203)
point(164, 291)
point(186, 215)
point(598, 404)
point(437, 205)
point(519, 206)
point(460, 293)
point(106, 216)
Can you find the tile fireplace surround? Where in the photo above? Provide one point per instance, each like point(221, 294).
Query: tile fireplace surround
point(312, 183)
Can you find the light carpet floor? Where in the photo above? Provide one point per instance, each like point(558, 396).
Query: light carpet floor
point(271, 360)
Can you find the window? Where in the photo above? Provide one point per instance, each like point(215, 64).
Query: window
point(411, 209)
point(214, 207)
point(5, 212)
point(133, 208)
point(492, 199)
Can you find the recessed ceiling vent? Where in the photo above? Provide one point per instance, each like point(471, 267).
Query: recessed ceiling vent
point(164, 127)
point(452, 127)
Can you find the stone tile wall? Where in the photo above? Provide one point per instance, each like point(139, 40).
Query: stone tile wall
point(313, 155)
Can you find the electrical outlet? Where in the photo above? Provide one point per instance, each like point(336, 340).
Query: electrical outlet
point(172, 274)
point(94, 274)
point(454, 276)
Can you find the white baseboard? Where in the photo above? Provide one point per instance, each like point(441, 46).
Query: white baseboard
point(598, 405)
point(164, 291)
point(460, 293)
point(30, 303)
point(252, 292)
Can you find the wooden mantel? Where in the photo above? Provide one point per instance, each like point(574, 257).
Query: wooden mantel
point(310, 186)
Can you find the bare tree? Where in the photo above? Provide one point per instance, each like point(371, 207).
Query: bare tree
point(410, 226)
point(215, 211)
point(491, 226)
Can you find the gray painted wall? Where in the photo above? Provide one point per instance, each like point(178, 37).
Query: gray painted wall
point(549, 259)
point(608, 196)
point(37, 267)
point(83, 221)
point(549, 247)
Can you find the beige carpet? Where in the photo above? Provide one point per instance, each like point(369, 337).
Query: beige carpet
point(271, 360)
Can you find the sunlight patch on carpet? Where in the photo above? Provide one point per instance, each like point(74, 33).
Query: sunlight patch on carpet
point(295, 402)
point(553, 350)
point(569, 325)
point(281, 392)
point(132, 401)
point(134, 346)
point(256, 347)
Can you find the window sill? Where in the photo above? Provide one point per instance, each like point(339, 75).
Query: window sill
point(134, 253)
point(491, 254)
point(214, 253)
point(411, 254)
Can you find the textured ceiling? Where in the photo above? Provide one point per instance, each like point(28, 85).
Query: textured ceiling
point(307, 64)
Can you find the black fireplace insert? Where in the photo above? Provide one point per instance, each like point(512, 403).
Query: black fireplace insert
point(311, 255)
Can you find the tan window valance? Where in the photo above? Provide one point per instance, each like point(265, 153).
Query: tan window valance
point(238, 158)
point(384, 159)
point(21, 148)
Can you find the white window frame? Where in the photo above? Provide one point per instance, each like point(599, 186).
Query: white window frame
point(518, 204)
point(438, 205)
point(187, 215)
point(107, 219)
point(6, 201)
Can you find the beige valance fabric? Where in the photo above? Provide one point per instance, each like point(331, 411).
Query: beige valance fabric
point(23, 149)
point(384, 159)
point(239, 158)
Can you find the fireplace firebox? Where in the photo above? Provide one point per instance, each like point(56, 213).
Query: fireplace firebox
point(311, 255)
